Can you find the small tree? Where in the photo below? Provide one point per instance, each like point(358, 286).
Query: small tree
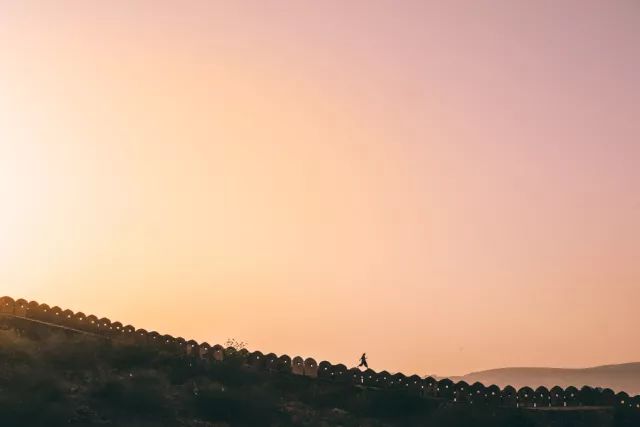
point(237, 344)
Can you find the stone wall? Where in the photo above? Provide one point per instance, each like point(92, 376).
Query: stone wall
point(459, 393)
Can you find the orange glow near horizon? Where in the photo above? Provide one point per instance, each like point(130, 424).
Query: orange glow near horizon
point(446, 189)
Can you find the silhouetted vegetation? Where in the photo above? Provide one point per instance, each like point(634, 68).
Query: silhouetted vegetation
point(58, 379)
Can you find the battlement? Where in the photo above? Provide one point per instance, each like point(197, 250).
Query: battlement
point(456, 392)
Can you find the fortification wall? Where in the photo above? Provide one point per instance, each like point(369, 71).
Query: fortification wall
point(460, 392)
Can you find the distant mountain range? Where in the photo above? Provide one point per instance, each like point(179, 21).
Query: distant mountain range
point(622, 377)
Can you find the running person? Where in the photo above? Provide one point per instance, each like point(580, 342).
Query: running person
point(363, 361)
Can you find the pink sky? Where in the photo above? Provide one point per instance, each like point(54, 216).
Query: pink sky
point(450, 186)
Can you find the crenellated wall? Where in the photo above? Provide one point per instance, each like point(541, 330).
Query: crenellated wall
point(460, 392)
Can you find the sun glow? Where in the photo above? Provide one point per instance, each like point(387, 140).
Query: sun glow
point(21, 197)
point(17, 210)
point(339, 177)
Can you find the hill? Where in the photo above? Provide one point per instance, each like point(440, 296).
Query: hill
point(621, 377)
point(63, 368)
point(70, 379)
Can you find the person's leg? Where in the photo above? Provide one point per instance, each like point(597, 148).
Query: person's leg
point(364, 362)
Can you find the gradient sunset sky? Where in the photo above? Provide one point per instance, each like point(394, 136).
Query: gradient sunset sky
point(449, 186)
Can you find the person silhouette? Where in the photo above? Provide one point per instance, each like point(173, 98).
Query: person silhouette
point(363, 361)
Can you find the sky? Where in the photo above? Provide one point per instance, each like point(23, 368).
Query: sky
point(449, 186)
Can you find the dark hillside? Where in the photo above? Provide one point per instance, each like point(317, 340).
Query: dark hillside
point(68, 379)
point(78, 380)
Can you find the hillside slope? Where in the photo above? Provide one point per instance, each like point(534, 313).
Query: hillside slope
point(77, 380)
point(62, 380)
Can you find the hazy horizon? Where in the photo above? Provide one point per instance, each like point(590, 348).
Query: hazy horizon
point(448, 186)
